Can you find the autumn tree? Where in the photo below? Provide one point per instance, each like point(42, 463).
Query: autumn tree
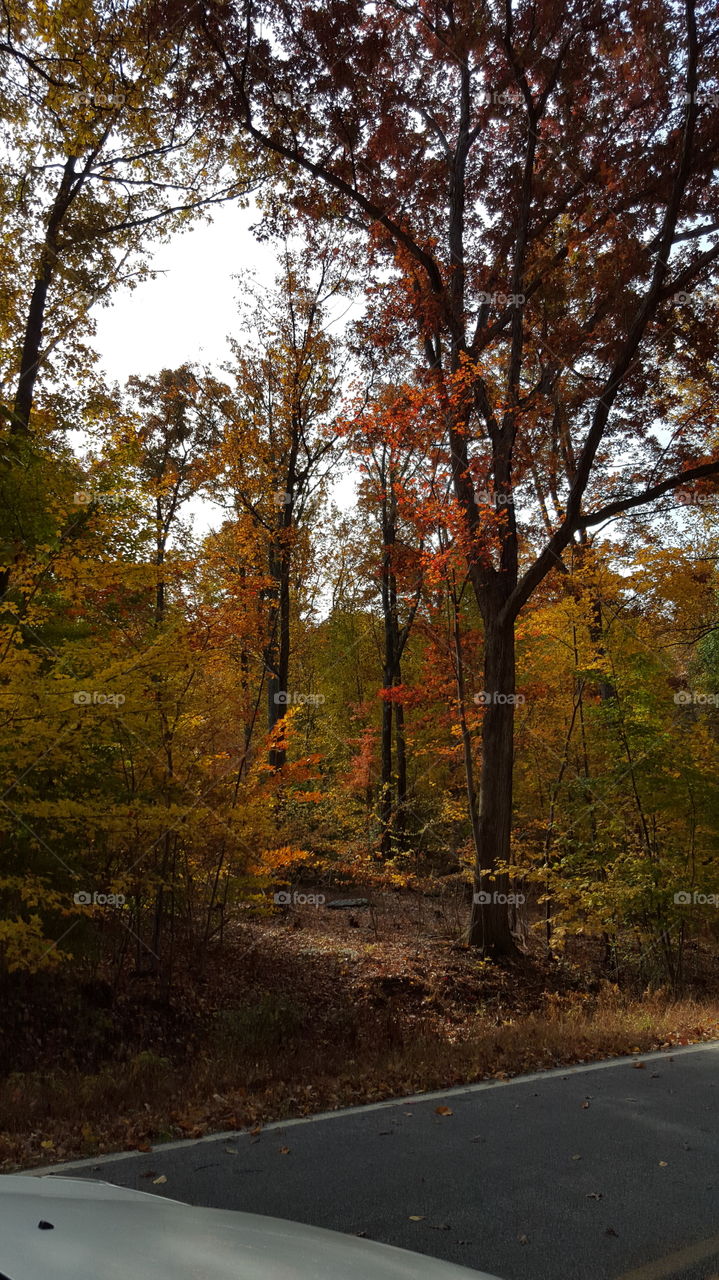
point(389, 442)
point(101, 158)
point(541, 185)
point(179, 418)
point(280, 443)
point(98, 162)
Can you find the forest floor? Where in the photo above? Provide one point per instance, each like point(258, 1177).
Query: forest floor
point(307, 1011)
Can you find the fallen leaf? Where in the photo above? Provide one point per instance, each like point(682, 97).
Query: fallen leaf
point(610, 1232)
point(523, 1239)
point(443, 1111)
point(284, 1151)
point(416, 1217)
point(143, 1146)
point(638, 1066)
point(594, 1195)
point(585, 1106)
point(158, 1181)
point(663, 1164)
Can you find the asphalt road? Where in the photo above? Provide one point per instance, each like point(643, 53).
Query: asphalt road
point(594, 1173)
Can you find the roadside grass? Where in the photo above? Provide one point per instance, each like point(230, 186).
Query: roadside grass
point(275, 1056)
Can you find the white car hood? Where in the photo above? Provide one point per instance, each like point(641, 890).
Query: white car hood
point(103, 1232)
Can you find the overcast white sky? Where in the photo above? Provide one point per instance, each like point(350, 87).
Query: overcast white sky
point(187, 312)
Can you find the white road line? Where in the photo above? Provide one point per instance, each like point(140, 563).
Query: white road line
point(227, 1135)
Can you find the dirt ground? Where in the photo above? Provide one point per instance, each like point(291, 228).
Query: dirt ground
point(304, 1010)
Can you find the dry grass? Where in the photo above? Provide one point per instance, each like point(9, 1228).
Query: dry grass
point(326, 1016)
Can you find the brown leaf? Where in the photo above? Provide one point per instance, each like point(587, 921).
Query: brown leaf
point(443, 1111)
point(159, 1181)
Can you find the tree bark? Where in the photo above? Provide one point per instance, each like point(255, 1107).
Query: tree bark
point(400, 819)
point(279, 656)
point(385, 802)
point(30, 357)
point(489, 926)
point(469, 776)
point(389, 668)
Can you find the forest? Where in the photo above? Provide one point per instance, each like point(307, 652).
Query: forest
point(359, 694)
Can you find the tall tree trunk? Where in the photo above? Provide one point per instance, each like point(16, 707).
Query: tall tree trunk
point(30, 356)
point(275, 707)
point(400, 818)
point(489, 922)
point(32, 340)
point(277, 691)
point(385, 799)
point(469, 776)
point(160, 545)
point(389, 617)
